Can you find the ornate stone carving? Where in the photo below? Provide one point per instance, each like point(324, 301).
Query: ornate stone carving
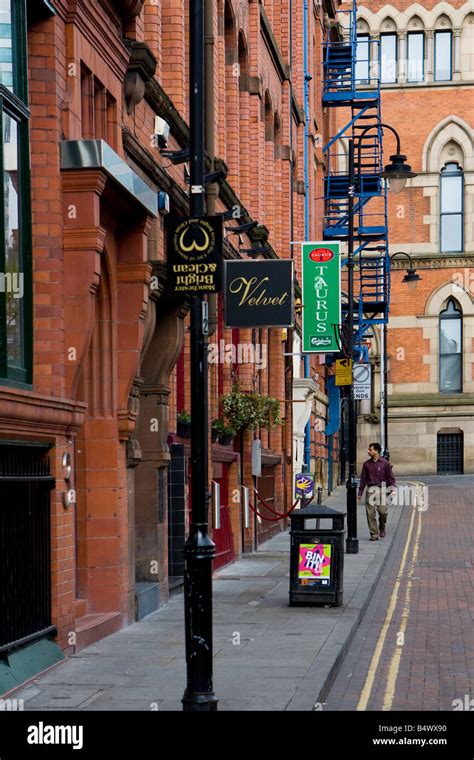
point(128, 9)
point(141, 68)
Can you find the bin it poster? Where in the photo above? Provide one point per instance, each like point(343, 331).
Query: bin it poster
point(314, 564)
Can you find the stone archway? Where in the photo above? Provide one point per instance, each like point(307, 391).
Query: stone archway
point(149, 453)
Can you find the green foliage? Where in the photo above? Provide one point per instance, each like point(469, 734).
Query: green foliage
point(249, 411)
point(183, 416)
point(222, 428)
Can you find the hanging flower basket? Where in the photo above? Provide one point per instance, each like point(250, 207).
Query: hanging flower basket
point(249, 411)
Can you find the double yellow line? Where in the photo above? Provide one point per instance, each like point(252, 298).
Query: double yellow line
point(396, 658)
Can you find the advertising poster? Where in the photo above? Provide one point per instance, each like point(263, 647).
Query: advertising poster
point(304, 486)
point(314, 564)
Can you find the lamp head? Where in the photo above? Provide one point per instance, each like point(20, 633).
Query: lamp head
point(411, 278)
point(397, 172)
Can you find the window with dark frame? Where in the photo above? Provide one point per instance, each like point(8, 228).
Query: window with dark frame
point(450, 348)
point(443, 67)
point(415, 56)
point(451, 209)
point(362, 67)
point(16, 332)
point(388, 58)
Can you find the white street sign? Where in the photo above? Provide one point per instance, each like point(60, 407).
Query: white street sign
point(362, 382)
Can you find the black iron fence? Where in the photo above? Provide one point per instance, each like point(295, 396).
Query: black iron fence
point(25, 543)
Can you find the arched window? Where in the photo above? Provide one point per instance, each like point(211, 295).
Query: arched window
point(362, 74)
point(415, 50)
point(450, 348)
point(443, 51)
point(388, 52)
point(451, 208)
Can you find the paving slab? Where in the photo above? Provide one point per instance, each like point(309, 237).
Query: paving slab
point(267, 656)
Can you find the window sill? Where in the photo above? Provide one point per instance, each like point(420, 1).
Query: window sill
point(8, 383)
point(417, 85)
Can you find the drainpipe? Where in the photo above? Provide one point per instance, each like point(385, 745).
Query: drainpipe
point(290, 334)
point(307, 79)
point(212, 191)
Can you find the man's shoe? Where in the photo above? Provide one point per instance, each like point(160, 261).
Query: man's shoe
point(382, 532)
point(374, 538)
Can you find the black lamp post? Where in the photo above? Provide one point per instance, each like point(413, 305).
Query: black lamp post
point(397, 173)
point(411, 279)
point(199, 549)
point(352, 542)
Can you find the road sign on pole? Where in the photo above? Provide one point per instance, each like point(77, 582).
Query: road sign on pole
point(362, 382)
point(343, 371)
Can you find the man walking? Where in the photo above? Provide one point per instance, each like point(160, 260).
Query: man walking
point(376, 475)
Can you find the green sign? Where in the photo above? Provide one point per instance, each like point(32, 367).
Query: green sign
point(321, 267)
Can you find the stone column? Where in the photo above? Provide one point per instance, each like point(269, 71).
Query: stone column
point(457, 54)
point(375, 61)
point(402, 58)
point(429, 59)
point(163, 342)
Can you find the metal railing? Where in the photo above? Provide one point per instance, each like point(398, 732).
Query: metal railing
point(25, 545)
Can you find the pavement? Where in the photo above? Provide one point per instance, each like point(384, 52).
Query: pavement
point(267, 655)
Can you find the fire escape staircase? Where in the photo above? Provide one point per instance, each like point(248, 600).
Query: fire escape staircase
point(359, 101)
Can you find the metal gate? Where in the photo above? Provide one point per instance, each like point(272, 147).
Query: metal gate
point(25, 544)
point(450, 454)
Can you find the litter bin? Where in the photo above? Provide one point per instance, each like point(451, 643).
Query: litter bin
point(317, 557)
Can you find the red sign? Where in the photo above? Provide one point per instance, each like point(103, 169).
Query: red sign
point(321, 254)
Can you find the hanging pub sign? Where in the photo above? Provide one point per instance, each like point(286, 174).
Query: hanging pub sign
point(194, 254)
point(258, 293)
point(321, 268)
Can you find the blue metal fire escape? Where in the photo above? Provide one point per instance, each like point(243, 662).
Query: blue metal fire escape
point(352, 84)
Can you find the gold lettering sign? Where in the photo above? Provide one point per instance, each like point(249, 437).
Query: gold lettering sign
point(259, 293)
point(254, 292)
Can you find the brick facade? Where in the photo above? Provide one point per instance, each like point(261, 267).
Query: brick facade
point(108, 333)
point(435, 121)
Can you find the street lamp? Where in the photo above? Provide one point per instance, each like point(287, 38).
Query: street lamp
point(411, 279)
point(397, 173)
point(199, 549)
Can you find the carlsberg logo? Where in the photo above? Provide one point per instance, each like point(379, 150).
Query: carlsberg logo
point(320, 341)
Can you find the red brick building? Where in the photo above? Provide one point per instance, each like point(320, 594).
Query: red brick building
point(427, 95)
point(93, 343)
